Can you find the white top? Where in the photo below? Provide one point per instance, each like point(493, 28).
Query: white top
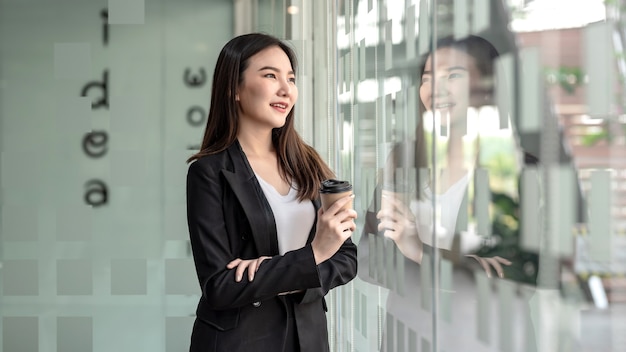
point(448, 204)
point(294, 219)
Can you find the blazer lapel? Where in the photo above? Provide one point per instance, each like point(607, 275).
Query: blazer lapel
point(316, 205)
point(250, 195)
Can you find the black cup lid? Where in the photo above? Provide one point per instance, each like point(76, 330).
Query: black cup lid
point(335, 186)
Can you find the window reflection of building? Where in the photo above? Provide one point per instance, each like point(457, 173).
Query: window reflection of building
point(594, 143)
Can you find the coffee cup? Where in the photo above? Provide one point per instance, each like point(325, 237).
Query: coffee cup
point(332, 190)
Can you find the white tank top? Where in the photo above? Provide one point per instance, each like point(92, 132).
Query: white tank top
point(294, 219)
point(449, 204)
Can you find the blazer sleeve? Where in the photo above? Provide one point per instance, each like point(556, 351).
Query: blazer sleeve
point(340, 269)
point(213, 248)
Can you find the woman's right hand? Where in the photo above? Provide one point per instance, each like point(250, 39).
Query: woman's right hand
point(251, 265)
point(488, 262)
point(334, 227)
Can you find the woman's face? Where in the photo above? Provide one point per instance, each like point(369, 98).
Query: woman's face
point(268, 90)
point(451, 84)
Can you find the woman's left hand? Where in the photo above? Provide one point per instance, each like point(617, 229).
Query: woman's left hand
point(251, 264)
point(396, 219)
point(397, 223)
point(495, 262)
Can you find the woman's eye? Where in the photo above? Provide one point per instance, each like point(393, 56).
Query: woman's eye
point(270, 75)
point(292, 80)
point(454, 75)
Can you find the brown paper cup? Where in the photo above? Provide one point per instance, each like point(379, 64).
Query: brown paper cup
point(332, 190)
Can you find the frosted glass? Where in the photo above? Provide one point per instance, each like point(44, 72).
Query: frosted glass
point(74, 277)
point(484, 306)
point(531, 97)
point(481, 202)
point(129, 277)
point(481, 16)
point(20, 277)
point(72, 60)
point(74, 334)
point(600, 229)
point(126, 11)
point(20, 334)
point(562, 209)
point(531, 222)
point(180, 277)
point(598, 54)
point(461, 18)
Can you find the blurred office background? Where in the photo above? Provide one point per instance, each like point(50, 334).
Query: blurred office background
point(101, 102)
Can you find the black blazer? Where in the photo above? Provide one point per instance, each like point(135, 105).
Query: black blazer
point(229, 217)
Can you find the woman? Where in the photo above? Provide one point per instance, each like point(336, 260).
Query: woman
point(456, 82)
point(264, 251)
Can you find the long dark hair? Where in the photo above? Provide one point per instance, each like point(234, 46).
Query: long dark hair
point(298, 162)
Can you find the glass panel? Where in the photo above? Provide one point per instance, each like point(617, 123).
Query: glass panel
point(101, 103)
point(74, 334)
point(486, 130)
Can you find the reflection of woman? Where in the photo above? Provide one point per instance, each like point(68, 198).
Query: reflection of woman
point(457, 79)
point(265, 253)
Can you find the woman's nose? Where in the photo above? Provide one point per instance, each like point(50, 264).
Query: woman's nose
point(441, 87)
point(285, 88)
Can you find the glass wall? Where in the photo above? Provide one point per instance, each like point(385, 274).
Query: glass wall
point(487, 146)
point(101, 102)
point(478, 142)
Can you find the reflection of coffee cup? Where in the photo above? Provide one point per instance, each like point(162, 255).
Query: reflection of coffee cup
point(332, 190)
point(399, 191)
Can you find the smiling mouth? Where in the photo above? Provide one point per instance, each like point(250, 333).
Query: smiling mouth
point(444, 105)
point(280, 106)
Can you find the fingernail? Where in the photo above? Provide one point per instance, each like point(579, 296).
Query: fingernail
point(238, 278)
point(501, 275)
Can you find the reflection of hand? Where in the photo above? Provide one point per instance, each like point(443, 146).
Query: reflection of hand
point(495, 262)
point(396, 219)
point(398, 223)
point(251, 264)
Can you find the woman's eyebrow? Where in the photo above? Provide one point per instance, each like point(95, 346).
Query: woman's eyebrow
point(451, 68)
point(272, 68)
